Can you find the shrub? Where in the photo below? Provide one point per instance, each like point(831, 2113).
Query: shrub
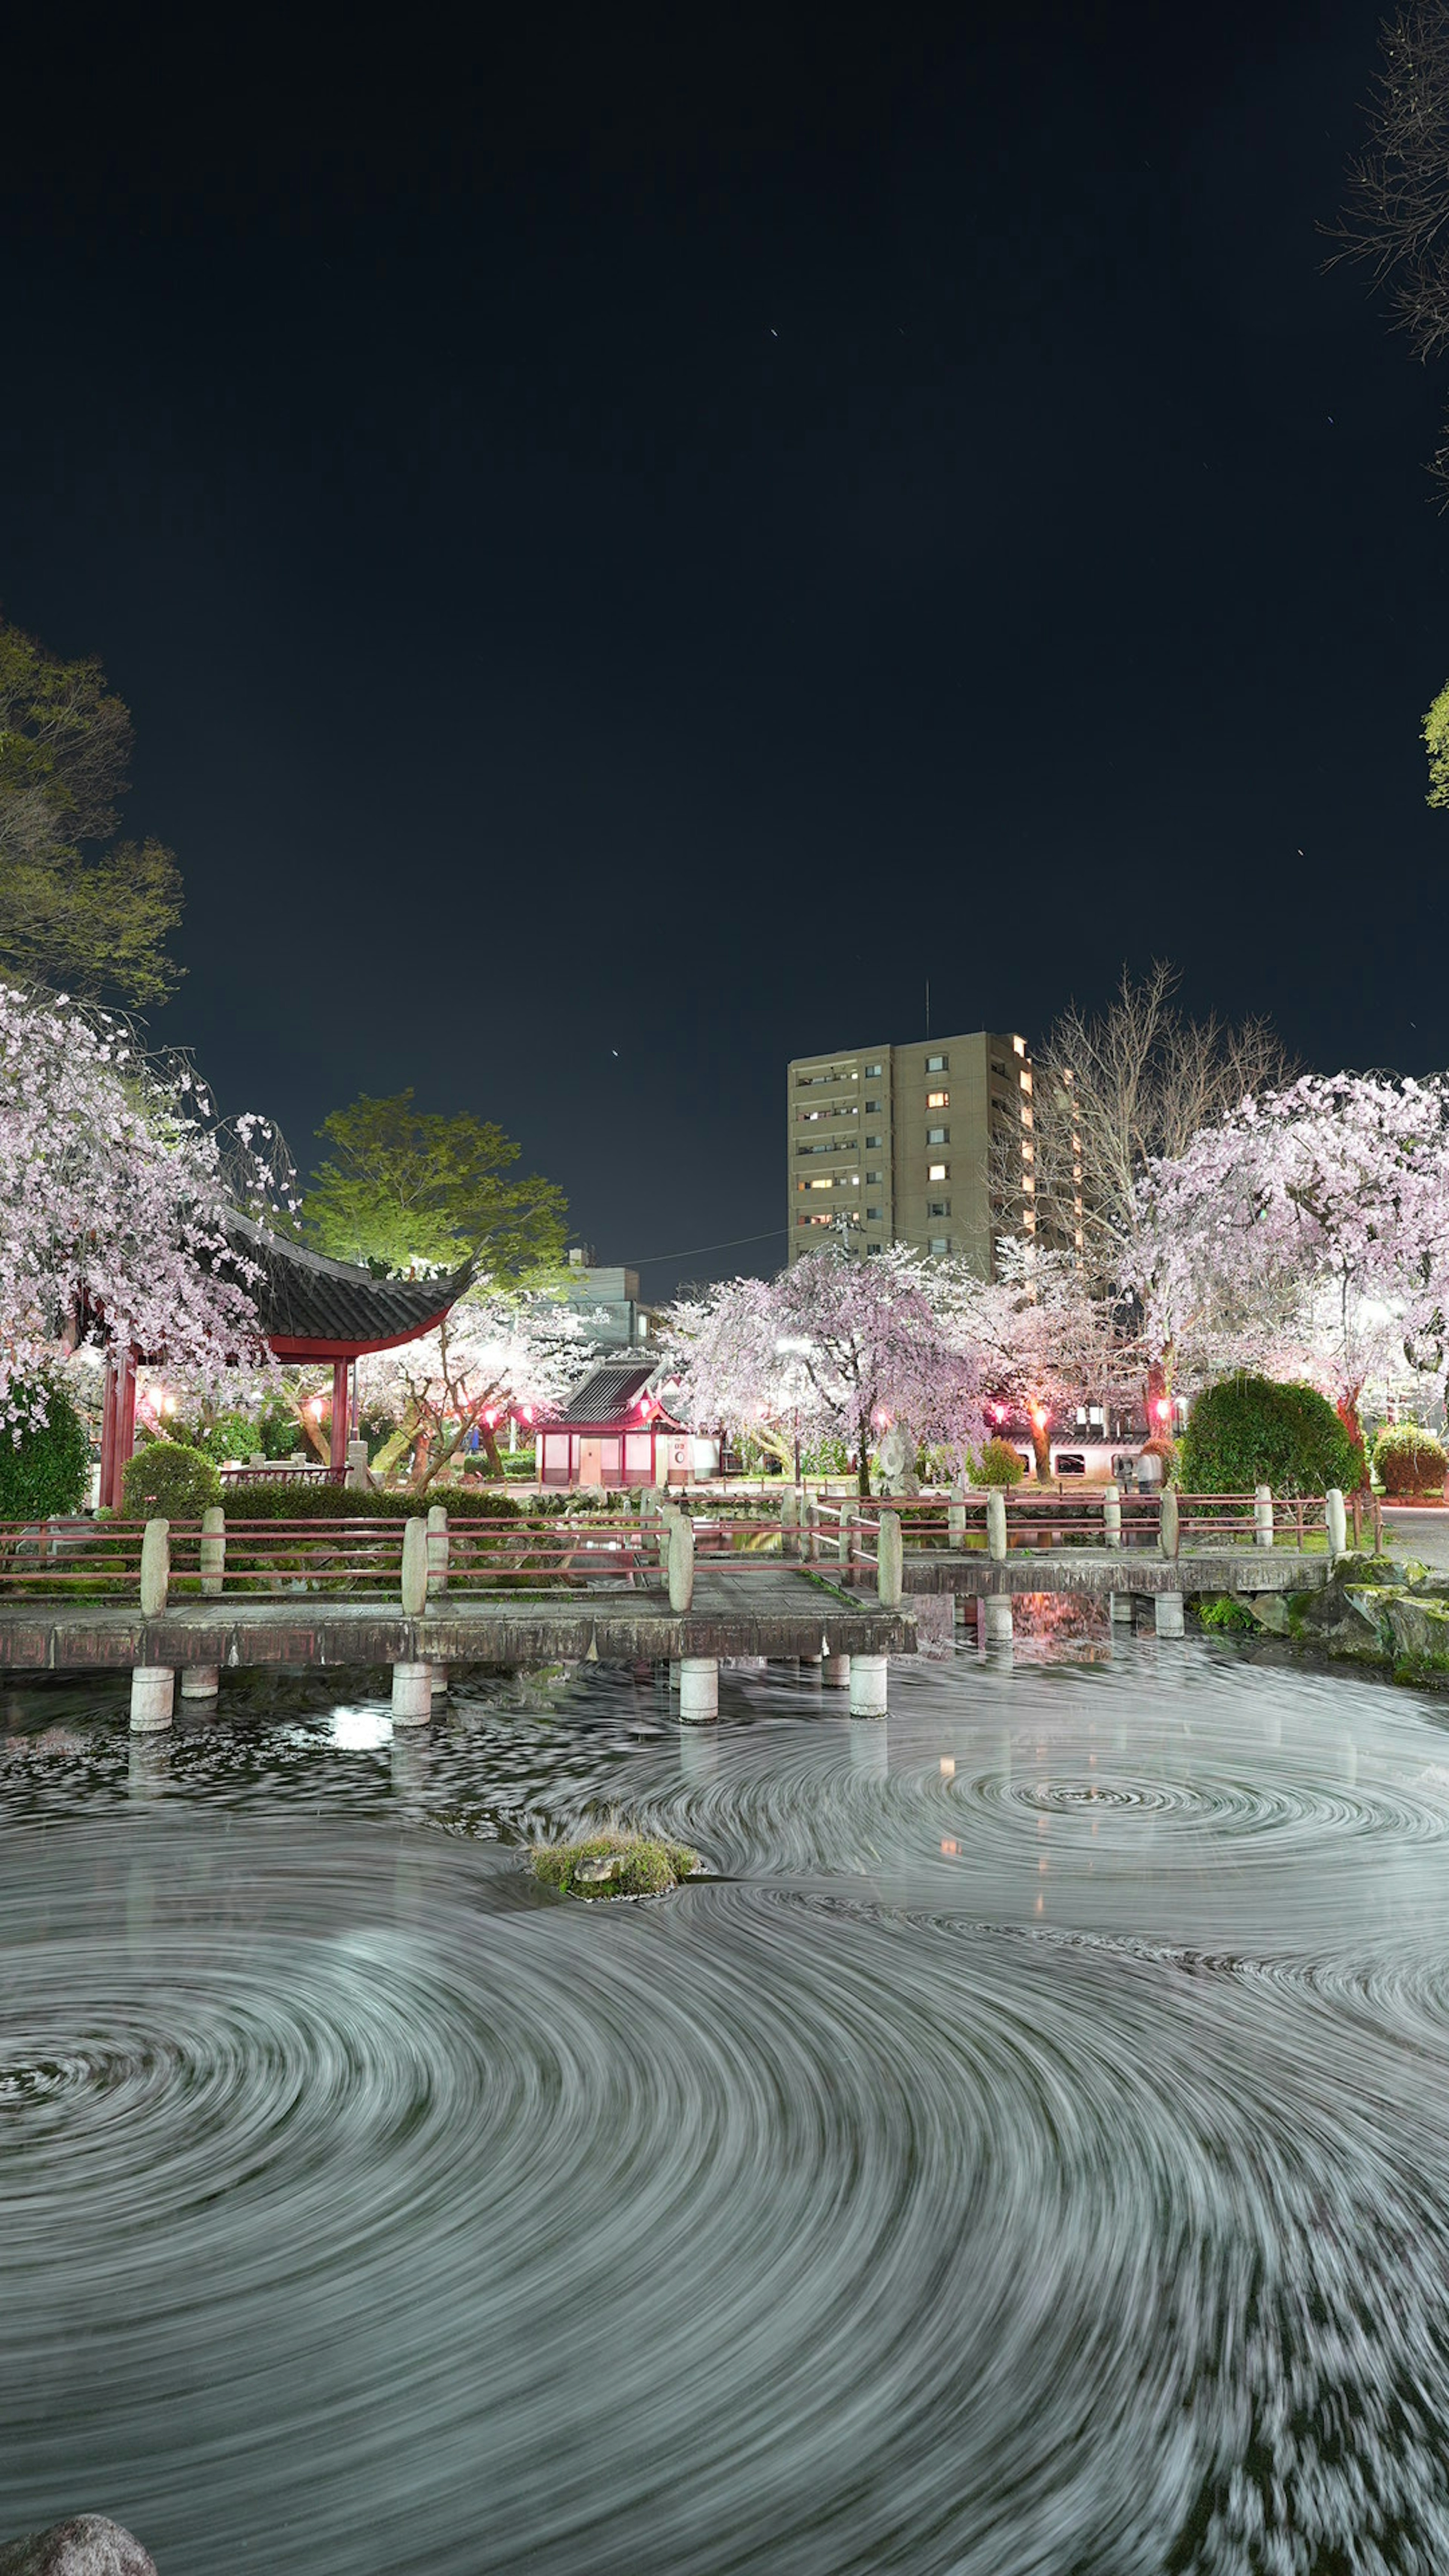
point(230, 1436)
point(1408, 1460)
point(618, 1862)
point(1251, 1431)
point(168, 1481)
point(999, 1464)
point(1231, 1617)
point(305, 1498)
point(48, 1468)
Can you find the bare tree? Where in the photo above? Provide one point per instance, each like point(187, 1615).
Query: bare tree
point(1396, 215)
point(1112, 1092)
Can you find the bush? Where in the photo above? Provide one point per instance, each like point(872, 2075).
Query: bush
point(1408, 1460)
point(998, 1464)
point(305, 1498)
point(48, 1469)
point(1229, 1617)
point(169, 1481)
point(230, 1436)
point(1251, 1431)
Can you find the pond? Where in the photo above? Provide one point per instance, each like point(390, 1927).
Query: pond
point(1027, 2150)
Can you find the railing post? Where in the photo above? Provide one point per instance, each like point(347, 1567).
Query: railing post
point(155, 1568)
point(213, 1550)
point(812, 1530)
point(1112, 1514)
point(1335, 1521)
point(1378, 1513)
point(1167, 1528)
point(681, 1561)
point(437, 1545)
point(1262, 1516)
point(845, 1544)
point(890, 1564)
point(956, 1518)
point(414, 1569)
point(790, 1521)
point(996, 1525)
point(1357, 1521)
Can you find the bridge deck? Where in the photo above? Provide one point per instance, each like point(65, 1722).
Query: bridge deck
point(777, 1611)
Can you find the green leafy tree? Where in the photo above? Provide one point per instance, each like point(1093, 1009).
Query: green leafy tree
point(1436, 743)
point(404, 1190)
point(77, 908)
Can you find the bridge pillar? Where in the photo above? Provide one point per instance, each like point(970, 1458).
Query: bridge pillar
point(835, 1670)
point(868, 1685)
point(201, 1681)
point(412, 1687)
point(1167, 1614)
point(153, 1690)
point(438, 1680)
point(1122, 1609)
point(698, 1689)
point(999, 1630)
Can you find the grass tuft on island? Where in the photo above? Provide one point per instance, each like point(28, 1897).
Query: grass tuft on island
point(615, 1861)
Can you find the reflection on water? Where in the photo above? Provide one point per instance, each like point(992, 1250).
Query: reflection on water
point(1028, 2151)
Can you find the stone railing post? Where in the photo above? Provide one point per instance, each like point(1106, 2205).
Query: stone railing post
point(1335, 1520)
point(790, 1521)
point(213, 1550)
point(810, 1548)
point(1262, 1516)
point(956, 1518)
point(357, 1479)
point(681, 1561)
point(1167, 1527)
point(996, 1525)
point(155, 1568)
point(1112, 1514)
point(437, 1544)
point(845, 1544)
point(890, 1562)
point(414, 1568)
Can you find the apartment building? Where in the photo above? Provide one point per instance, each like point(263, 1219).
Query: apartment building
point(898, 1144)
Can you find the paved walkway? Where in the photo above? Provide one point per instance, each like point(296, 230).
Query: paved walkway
point(1408, 1532)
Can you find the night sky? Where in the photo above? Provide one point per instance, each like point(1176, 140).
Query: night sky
point(659, 533)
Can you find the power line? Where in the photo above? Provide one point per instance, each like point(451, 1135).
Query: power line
point(695, 1249)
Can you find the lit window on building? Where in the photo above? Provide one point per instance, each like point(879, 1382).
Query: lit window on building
point(873, 1072)
point(938, 1100)
point(937, 1172)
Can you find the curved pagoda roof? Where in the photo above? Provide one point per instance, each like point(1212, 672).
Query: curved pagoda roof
point(315, 1309)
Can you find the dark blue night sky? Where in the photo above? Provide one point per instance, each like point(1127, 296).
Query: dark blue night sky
point(657, 534)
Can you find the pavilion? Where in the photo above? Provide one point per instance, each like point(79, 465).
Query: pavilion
point(616, 1430)
point(310, 1310)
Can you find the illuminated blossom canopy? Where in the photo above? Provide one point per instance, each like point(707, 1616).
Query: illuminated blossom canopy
point(115, 1184)
point(496, 1353)
point(1309, 1232)
point(844, 1347)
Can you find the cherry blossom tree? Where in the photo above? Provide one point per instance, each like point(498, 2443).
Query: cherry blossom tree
point(494, 1353)
point(842, 1346)
point(1309, 1229)
point(116, 1179)
point(1041, 1339)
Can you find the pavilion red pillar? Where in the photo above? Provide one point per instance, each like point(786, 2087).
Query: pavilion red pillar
point(339, 1415)
point(118, 1423)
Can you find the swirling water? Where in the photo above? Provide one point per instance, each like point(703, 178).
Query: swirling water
point(1026, 2151)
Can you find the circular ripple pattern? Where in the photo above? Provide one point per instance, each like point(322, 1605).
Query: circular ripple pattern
point(1030, 2158)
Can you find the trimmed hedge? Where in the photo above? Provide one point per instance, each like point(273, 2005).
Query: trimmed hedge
point(1408, 1460)
point(1251, 1431)
point(303, 1498)
point(167, 1480)
point(48, 1468)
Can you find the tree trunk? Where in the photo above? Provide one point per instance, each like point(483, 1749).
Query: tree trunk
point(395, 1444)
point(1041, 1448)
point(862, 1471)
point(489, 1447)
